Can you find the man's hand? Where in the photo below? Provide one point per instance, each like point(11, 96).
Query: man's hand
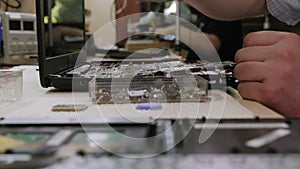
point(268, 68)
point(170, 30)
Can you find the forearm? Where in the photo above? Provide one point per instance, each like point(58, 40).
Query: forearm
point(202, 43)
point(215, 40)
point(229, 9)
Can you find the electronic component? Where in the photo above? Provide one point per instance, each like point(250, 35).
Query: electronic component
point(149, 106)
point(172, 81)
point(69, 108)
point(138, 83)
point(19, 34)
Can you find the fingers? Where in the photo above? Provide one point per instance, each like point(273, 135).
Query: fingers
point(251, 91)
point(266, 68)
point(159, 31)
point(165, 31)
point(253, 53)
point(255, 58)
point(258, 46)
point(263, 38)
point(251, 71)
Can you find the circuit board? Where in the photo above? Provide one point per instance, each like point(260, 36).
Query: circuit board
point(173, 81)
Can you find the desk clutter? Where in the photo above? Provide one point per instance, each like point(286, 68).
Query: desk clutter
point(11, 85)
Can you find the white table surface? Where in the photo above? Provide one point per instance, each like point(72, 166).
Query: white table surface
point(37, 102)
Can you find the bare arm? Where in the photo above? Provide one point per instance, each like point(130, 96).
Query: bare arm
point(194, 39)
point(229, 9)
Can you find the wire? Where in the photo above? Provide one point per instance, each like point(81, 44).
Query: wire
point(119, 11)
point(17, 6)
point(112, 11)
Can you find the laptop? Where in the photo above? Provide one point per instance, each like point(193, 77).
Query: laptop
point(58, 51)
point(63, 60)
point(61, 45)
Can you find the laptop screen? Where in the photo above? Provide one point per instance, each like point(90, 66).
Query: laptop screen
point(61, 34)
